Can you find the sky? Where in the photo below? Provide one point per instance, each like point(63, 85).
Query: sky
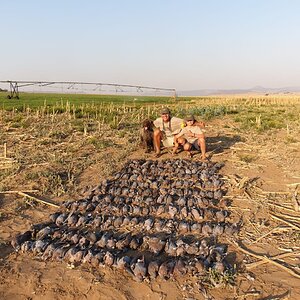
point(182, 44)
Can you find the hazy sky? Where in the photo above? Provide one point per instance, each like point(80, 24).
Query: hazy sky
point(182, 44)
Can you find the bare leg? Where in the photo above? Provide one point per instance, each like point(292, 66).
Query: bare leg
point(178, 142)
point(157, 135)
point(187, 147)
point(202, 144)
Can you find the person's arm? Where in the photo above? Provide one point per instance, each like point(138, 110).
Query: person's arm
point(201, 124)
point(176, 136)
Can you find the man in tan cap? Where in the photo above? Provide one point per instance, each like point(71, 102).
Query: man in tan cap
point(191, 136)
point(166, 129)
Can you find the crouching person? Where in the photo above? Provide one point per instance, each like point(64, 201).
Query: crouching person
point(166, 129)
point(191, 137)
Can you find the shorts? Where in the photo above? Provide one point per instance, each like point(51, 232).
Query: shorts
point(195, 145)
point(168, 141)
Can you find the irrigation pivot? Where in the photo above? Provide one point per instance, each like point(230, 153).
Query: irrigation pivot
point(67, 87)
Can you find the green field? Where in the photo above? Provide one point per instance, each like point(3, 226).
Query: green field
point(37, 100)
point(252, 112)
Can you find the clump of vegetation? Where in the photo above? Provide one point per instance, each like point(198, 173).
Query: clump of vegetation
point(214, 279)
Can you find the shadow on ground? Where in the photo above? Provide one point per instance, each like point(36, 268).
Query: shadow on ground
point(217, 144)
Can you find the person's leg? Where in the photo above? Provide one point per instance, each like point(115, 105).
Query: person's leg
point(178, 142)
point(188, 147)
point(202, 145)
point(157, 137)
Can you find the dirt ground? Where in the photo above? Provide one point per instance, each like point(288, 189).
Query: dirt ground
point(261, 171)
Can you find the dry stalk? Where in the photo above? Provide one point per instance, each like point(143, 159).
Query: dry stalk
point(278, 256)
point(280, 206)
point(34, 198)
point(16, 192)
point(276, 229)
point(266, 259)
point(278, 218)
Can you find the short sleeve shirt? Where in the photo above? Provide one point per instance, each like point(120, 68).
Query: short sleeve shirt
point(169, 128)
point(192, 129)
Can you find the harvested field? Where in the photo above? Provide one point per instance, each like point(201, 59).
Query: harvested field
point(60, 157)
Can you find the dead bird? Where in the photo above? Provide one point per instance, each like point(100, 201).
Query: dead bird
point(111, 243)
point(54, 216)
point(196, 214)
point(123, 262)
point(108, 259)
point(218, 229)
point(103, 240)
point(148, 224)
point(123, 241)
point(170, 248)
point(43, 233)
point(139, 269)
point(70, 254)
point(88, 256)
point(91, 238)
point(20, 239)
point(72, 220)
point(98, 259)
point(153, 268)
point(172, 211)
point(48, 253)
point(155, 244)
point(207, 229)
point(60, 219)
point(39, 246)
point(158, 225)
point(184, 212)
point(58, 253)
point(179, 268)
point(166, 269)
point(221, 215)
point(196, 228)
point(135, 243)
point(183, 227)
point(26, 246)
point(199, 266)
point(192, 248)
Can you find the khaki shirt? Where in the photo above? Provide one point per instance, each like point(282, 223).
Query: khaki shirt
point(169, 128)
point(192, 129)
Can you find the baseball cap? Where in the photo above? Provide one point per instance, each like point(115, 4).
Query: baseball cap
point(189, 118)
point(165, 111)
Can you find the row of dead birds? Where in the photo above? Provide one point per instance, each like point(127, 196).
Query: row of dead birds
point(143, 224)
point(128, 182)
point(111, 251)
point(149, 200)
point(166, 211)
point(156, 244)
point(170, 168)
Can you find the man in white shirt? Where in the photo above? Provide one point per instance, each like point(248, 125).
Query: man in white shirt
point(166, 129)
